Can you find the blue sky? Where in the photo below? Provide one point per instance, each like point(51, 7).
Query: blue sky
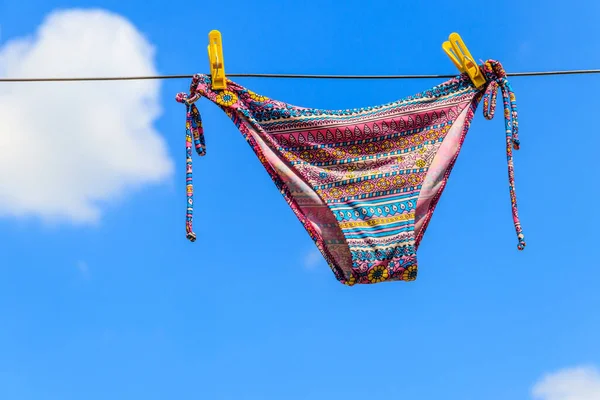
point(102, 297)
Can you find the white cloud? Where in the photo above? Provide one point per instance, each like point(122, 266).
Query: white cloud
point(68, 148)
point(578, 383)
point(313, 258)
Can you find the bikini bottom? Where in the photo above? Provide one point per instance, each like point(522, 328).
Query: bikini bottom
point(363, 182)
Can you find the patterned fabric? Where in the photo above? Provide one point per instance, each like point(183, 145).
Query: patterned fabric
point(363, 182)
point(193, 128)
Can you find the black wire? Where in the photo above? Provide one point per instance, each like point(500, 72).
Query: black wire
point(291, 76)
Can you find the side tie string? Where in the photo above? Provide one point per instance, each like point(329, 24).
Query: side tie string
point(511, 123)
point(195, 132)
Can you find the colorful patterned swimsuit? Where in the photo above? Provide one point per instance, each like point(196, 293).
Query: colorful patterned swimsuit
point(363, 182)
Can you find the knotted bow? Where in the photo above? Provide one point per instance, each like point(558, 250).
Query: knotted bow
point(497, 78)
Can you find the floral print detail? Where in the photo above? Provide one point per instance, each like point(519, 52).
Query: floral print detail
point(226, 98)
point(420, 163)
point(367, 186)
point(378, 274)
point(307, 156)
point(410, 273)
point(399, 180)
point(416, 140)
point(293, 157)
point(413, 179)
point(383, 184)
point(335, 192)
point(354, 149)
point(352, 190)
point(338, 153)
point(385, 146)
point(372, 148)
point(257, 97)
point(322, 154)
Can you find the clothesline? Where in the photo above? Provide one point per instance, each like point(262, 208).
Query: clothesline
point(290, 76)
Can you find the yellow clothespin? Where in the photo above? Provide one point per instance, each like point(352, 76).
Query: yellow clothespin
point(461, 57)
point(215, 58)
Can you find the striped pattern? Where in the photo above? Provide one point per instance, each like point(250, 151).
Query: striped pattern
point(363, 182)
